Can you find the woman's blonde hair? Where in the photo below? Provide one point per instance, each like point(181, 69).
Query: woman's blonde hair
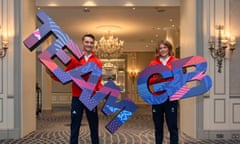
point(166, 43)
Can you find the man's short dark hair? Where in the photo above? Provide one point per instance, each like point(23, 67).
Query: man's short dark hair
point(88, 35)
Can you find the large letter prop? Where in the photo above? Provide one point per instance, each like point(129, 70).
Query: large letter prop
point(110, 91)
point(176, 88)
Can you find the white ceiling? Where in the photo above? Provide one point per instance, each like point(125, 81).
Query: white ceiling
point(138, 28)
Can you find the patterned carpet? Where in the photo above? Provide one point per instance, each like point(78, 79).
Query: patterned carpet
point(53, 128)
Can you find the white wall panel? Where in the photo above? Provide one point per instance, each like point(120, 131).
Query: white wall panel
point(219, 111)
point(207, 113)
point(1, 110)
point(235, 57)
point(188, 42)
point(10, 113)
point(28, 70)
point(10, 54)
point(236, 113)
point(5, 23)
point(219, 82)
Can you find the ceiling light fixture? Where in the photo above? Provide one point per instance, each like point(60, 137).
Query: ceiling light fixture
point(86, 10)
point(109, 46)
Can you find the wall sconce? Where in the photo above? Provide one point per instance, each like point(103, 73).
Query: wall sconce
point(133, 75)
point(4, 47)
point(218, 49)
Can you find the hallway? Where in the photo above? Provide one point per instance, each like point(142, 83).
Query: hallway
point(53, 128)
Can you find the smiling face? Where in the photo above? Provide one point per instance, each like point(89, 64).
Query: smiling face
point(88, 44)
point(164, 49)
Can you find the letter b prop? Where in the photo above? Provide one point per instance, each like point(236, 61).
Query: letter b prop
point(176, 88)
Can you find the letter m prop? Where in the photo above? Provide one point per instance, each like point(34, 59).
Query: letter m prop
point(124, 108)
point(55, 49)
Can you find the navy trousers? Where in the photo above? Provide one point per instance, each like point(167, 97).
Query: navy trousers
point(77, 109)
point(170, 110)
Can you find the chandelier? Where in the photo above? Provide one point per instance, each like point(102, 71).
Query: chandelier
point(109, 46)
